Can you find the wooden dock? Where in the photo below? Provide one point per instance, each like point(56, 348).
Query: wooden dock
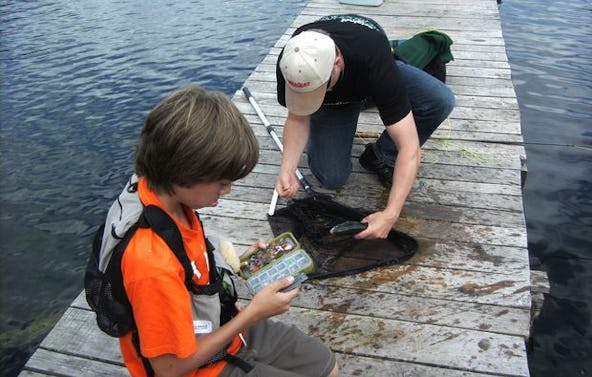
point(462, 305)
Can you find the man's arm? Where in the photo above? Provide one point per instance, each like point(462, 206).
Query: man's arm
point(296, 131)
point(404, 135)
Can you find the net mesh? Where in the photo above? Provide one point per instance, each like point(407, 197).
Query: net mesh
point(310, 220)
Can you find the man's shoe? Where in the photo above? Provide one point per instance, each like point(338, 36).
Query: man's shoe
point(370, 162)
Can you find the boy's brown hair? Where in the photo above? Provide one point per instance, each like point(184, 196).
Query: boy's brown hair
point(195, 136)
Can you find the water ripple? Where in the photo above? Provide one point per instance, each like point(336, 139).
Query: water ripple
point(77, 80)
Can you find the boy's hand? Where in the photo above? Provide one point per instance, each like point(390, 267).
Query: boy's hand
point(270, 301)
point(260, 244)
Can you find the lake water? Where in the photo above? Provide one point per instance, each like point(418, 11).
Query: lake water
point(78, 77)
point(549, 46)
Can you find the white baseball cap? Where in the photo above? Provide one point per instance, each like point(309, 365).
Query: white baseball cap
point(306, 64)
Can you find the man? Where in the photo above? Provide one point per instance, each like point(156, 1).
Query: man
point(324, 73)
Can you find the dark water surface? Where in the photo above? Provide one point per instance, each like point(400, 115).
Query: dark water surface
point(78, 77)
point(549, 45)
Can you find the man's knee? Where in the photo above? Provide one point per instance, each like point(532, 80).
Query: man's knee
point(447, 103)
point(331, 178)
point(441, 108)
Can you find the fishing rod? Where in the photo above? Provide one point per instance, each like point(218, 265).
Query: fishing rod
point(271, 131)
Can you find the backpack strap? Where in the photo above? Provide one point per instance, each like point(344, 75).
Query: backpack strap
point(166, 228)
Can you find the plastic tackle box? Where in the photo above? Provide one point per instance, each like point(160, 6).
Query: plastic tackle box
point(281, 258)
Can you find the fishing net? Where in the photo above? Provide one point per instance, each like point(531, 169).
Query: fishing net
point(310, 220)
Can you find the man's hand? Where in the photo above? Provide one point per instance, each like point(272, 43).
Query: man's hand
point(287, 185)
point(379, 225)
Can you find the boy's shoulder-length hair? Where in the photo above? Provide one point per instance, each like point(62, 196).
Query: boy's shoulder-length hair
point(195, 136)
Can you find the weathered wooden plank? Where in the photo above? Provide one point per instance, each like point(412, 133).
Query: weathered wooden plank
point(432, 252)
point(488, 131)
point(28, 373)
point(441, 141)
point(452, 70)
point(244, 195)
point(77, 335)
point(473, 90)
point(361, 187)
point(472, 316)
point(467, 53)
point(450, 154)
point(396, 340)
point(436, 171)
point(443, 153)
point(445, 284)
point(411, 279)
point(401, 306)
point(400, 340)
point(459, 61)
point(397, 9)
point(450, 254)
point(503, 115)
point(449, 173)
point(457, 75)
point(479, 64)
point(453, 130)
point(61, 364)
point(276, 115)
point(455, 252)
point(423, 344)
point(420, 23)
point(499, 131)
point(332, 301)
point(419, 3)
point(365, 187)
point(487, 103)
point(462, 40)
point(494, 235)
point(486, 111)
point(462, 74)
point(370, 122)
point(367, 366)
point(487, 83)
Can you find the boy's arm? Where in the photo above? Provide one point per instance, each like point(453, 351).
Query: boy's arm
point(267, 303)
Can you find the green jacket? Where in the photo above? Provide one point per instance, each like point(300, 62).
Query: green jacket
point(423, 48)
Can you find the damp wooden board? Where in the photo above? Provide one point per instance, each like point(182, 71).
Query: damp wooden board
point(461, 305)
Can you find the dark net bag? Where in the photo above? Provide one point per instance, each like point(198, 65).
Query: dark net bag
point(310, 219)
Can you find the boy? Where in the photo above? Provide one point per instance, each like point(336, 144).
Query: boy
point(193, 145)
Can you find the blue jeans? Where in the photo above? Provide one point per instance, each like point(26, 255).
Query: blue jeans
point(332, 128)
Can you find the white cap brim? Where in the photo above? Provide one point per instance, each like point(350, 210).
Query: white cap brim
point(305, 103)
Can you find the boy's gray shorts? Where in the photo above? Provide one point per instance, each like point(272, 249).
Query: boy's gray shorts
point(279, 350)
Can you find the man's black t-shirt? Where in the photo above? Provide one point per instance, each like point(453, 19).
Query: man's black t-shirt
point(370, 70)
